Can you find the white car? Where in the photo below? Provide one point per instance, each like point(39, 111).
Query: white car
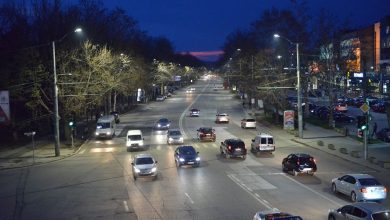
point(144, 165)
point(248, 123)
point(174, 136)
point(359, 187)
point(222, 118)
point(160, 98)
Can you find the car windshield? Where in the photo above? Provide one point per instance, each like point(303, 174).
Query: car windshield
point(174, 133)
point(135, 137)
point(103, 125)
point(163, 120)
point(239, 144)
point(381, 215)
point(369, 182)
point(194, 110)
point(144, 160)
point(305, 159)
point(187, 150)
point(206, 130)
point(250, 120)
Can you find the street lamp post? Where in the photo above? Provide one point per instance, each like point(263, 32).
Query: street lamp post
point(299, 96)
point(56, 115)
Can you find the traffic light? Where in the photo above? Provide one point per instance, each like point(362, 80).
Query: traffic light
point(362, 122)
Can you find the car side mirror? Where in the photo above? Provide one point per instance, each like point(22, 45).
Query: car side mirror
point(155, 161)
point(132, 164)
point(143, 138)
point(197, 152)
point(221, 142)
point(253, 140)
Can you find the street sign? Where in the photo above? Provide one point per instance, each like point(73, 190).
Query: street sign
point(365, 108)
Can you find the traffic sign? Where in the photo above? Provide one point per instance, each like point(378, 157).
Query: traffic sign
point(365, 108)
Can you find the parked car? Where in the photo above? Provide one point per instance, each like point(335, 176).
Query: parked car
point(162, 124)
point(194, 112)
point(263, 143)
point(116, 116)
point(379, 107)
point(384, 134)
point(274, 214)
point(299, 163)
point(248, 123)
point(222, 118)
point(206, 134)
point(360, 210)
point(233, 148)
point(144, 165)
point(160, 98)
point(359, 187)
point(186, 155)
point(174, 136)
point(341, 107)
point(343, 118)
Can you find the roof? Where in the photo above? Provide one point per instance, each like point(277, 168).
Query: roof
point(234, 140)
point(360, 175)
point(143, 156)
point(372, 206)
point(130, 132)
point(264, 135)
point(106, 118)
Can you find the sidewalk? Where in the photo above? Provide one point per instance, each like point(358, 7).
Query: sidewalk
point(43, 151)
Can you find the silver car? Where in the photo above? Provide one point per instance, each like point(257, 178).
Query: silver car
point(274, 214)
point(174, 136)
point(144, 165)
point(360, 211)
point(360, 187)
point(222, 118)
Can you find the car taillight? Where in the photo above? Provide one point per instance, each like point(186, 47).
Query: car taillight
point(313, 160)
point(297, 162)
point(385, 189)
point(363, 190)
point(230, 147)
point(201, 133)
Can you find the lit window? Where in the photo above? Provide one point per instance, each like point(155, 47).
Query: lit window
point(387, 29)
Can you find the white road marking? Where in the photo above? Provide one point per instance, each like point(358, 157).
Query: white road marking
point(189, 198)
point(313, 191)
point(126, 206)
point(83, 151)
point(255, 196)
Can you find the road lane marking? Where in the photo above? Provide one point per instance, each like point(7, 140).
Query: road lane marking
point(313, 191)
point(126, 206)
point(83, 151)
point(189, 198)
point(254, 195)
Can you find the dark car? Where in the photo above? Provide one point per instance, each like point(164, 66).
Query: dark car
point(162, 124)
point(379, 107)
point(299, 163)
point(194, 112)
point(206, 134)
point(116, 115)
point(233, 148)
point(186, 155)
point(384, 134)
point(343, 118)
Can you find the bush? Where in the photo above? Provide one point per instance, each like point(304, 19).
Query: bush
point(331, 146)
point(320, 143)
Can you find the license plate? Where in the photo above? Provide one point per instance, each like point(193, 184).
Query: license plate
point(238, 149)
point(190, 162)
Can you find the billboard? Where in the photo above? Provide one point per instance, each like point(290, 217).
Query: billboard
point(5, 117)
point(288, 122)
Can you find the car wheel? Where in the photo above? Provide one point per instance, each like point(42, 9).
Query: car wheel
point(220, 149)
point(353, 197)
point(295, 173)
point(214, 140)
point(331, 217)
point(134, 177)
point(244, 157)
point(284, 168)
point(334, 189)
point(155, 177)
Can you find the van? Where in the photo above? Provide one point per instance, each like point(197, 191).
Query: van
point(134, 140)
point(263, 143)
point(105, 127)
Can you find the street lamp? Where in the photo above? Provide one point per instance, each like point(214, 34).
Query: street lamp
point(300, 123)
point(56, 115)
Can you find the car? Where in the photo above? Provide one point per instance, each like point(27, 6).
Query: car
point(162, 124)
point(360, 210)
point(144, 165)
point(299, 163)
point(359, 187)
point(222, 118)
point(274, 214)
point(174, 136)
point(134, 140)
point(194, 112)
point(248, 123)
point(206, 134)
point(263, 143)
point(383, 134)
point(233, 147)
point(188, 91)
point(186, 155)
point(160, 98)
point(343, 118)
point(116, 116)
point(192, 89)
point(341, 107)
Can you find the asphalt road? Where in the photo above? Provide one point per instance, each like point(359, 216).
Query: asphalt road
point(97, 183)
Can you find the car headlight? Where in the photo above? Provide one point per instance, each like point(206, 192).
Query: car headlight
point(181, 159)
point(181, 139)
point(136, 170)
point(170, 139)
point(96, 133)
point(154, 169)
point(108, 133)
point(198, 159)
point(158, 125)
point(168, 124)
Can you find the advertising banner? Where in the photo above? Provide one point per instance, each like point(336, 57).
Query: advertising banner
point(288, 122)
point(5, 117)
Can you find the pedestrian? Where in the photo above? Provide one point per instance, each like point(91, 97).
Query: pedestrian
point(374, 130)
